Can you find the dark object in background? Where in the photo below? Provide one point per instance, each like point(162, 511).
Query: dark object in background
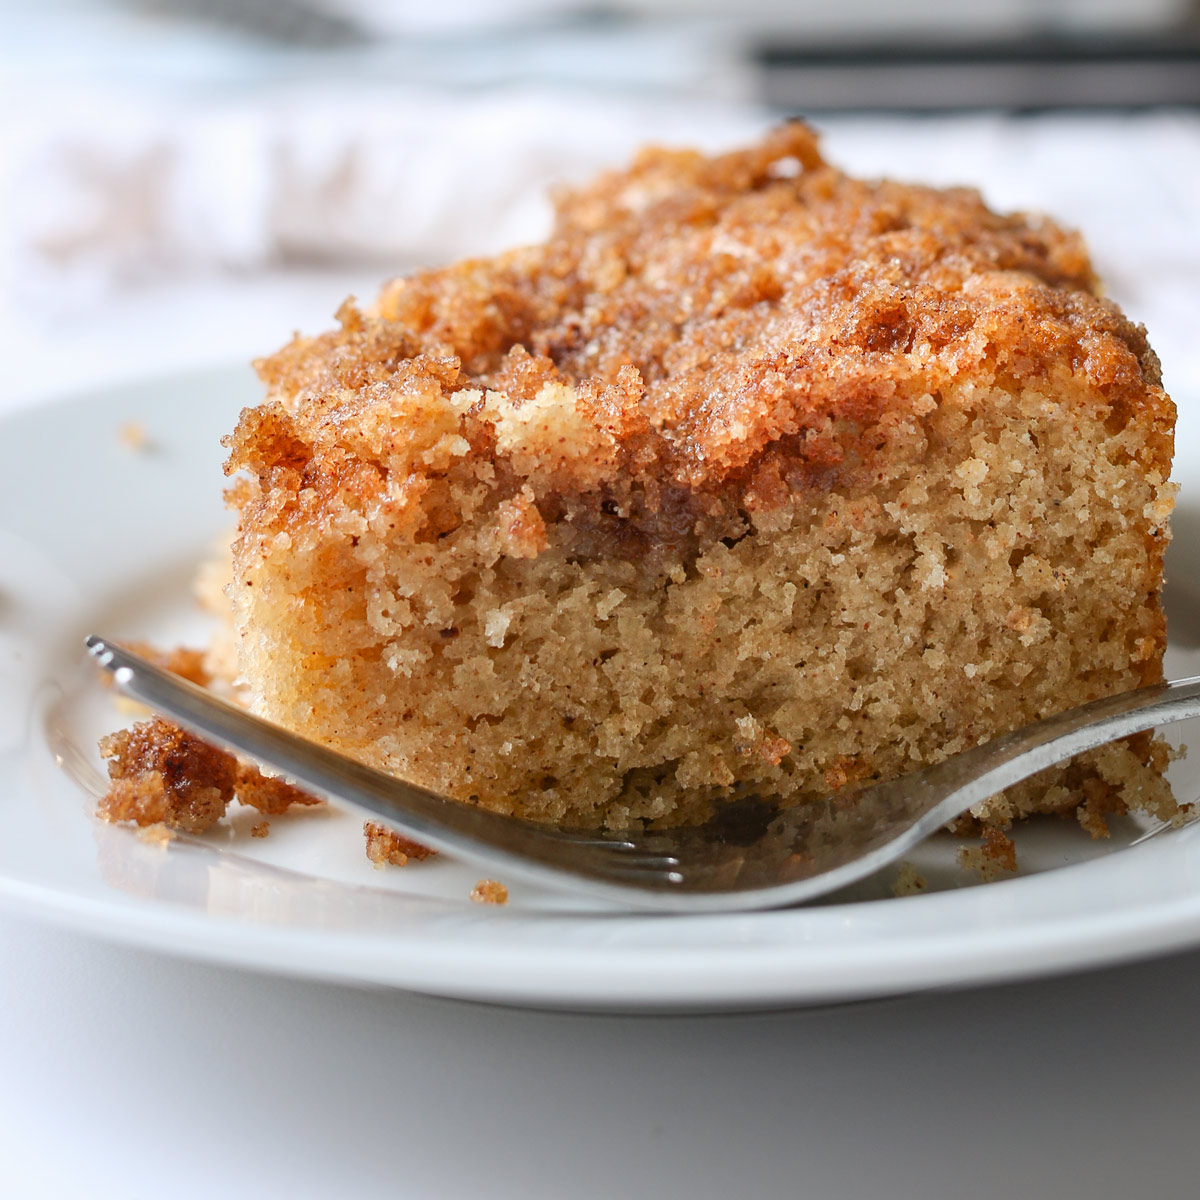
point(1058, 72)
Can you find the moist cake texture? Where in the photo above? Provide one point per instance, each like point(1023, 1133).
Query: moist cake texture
point(752, 476)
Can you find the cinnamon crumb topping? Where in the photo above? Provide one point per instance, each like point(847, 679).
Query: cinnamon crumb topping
point(695, 332)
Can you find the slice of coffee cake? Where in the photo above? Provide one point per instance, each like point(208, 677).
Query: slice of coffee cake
point(752, 473)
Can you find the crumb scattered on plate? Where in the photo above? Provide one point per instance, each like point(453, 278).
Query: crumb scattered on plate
point(268, 793)
point(161, 773)
point(155, 835)
point(386, 848)
point(261, 829)
point(133, 436)
point(488, 891)
point(909, 881)
point(993, 858)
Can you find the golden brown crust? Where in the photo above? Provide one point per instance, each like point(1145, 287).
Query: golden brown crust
point(739, 324)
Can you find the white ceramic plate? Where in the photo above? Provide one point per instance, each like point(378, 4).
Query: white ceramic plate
point(96, 535)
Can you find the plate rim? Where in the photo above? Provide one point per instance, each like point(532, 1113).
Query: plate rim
point(681, 978)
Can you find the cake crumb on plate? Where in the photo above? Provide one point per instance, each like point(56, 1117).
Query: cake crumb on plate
point(386, 848)
point(488, 891)
point(133, 436)
point(993, 858)
point(909, 881)
point(157, 834)
point(161, 773)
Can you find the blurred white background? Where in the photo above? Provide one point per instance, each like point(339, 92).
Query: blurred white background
point(184, 183)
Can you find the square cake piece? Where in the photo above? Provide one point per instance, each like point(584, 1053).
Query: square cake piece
point(752, 476)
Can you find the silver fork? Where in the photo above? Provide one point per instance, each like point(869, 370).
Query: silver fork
point(754, 855)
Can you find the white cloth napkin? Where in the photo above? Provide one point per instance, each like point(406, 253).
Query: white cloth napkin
point(129, 187)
